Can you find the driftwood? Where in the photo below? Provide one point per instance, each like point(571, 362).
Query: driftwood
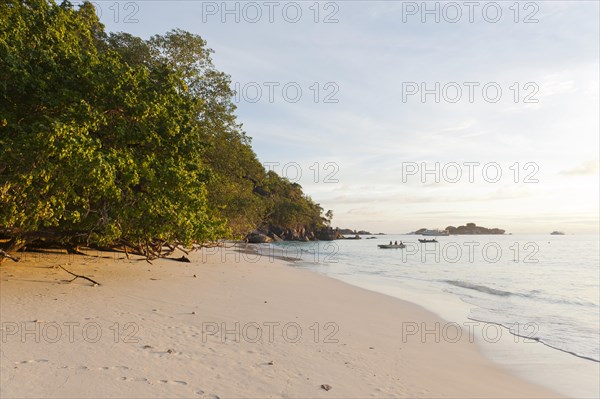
point(79, 276)
point(156, 249)
point(72, 249)
point(7, 256)
point(71, 240)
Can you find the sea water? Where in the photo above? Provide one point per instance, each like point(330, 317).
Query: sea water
point(540, 288)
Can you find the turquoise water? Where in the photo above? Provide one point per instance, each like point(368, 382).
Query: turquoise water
point(545, 287)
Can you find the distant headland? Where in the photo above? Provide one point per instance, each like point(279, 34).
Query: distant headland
point(359, 232)
point(469, 228)
point(269, 234)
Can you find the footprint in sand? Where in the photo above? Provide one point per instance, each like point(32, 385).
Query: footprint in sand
point(32, 361)
point(168, 352)
point(201, 392)
point(106, 368)
point(173, 382)
point(135, 379)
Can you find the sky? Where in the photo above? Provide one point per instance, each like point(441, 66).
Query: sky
point(402, 115)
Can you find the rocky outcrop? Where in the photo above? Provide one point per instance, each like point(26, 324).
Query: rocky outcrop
point(471, 228)
point(329, 234)
point(302, 233)
point(353, 232)
point(256, 237)
point(355, 237)
point(269, 234)
point(275, 237)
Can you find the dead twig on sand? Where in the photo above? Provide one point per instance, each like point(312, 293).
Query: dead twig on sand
point(7, 256)
point(79, 276)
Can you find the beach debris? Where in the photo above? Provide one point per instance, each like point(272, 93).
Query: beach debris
point(265, 301)
point(326, 387)
point(271, 363)
point(170, 351)
point(370, 347)
point(147, 347)
point(193, 312)
point(79, 276)
point(183, 259)
point(7, 256)
point(195, 276)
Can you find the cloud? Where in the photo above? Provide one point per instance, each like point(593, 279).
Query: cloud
point(386, 200)
point(372, 130)
point(589, 168)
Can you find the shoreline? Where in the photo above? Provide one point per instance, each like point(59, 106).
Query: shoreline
point(223, 326)
point(573, 376)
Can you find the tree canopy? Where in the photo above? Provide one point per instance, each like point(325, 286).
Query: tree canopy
point(110, 139)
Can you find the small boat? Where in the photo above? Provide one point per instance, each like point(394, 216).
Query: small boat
point(557, 233)
point(423, 240)
point(392, 246)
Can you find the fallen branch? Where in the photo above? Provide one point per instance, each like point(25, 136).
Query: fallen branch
point(170, 251)
point(213, 244)
point(7, 256)
point(71, 249)
point(182, 259)
point(178, 246)
point(78, 276)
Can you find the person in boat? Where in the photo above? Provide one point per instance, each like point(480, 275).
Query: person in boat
point(390, 243)
point(395, 242)
point(400, 242)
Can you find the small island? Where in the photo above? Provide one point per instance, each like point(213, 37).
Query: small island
point(557, 233)
point(353, 232)
point(469, 228)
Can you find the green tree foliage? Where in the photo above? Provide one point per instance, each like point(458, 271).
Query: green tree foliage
point(289, 207)
point(111, 139)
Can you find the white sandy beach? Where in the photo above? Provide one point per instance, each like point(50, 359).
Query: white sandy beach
point(157, 330)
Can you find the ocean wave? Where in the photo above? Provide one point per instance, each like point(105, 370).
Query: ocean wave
point(480, 288)
point(534, 294)
point(541, 340)
point(575, 301)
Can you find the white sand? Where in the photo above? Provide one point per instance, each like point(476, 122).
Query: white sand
point(164, 350)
